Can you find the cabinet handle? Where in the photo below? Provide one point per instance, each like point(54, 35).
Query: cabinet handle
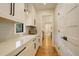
point(10, 8)
point(21, 51)
point(34, 22)
point(13, 9)
point(34, 45)
point(65, 38)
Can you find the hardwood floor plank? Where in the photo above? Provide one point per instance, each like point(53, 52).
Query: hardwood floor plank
point(47, 49)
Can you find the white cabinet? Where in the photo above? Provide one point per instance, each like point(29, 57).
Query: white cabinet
point(17, 9)
point(64, 9)
point(72, 17)
point(31, 17)
point(29, 20)
point(5, 10)
point(67, 14)
point(19, 12)
point(28, 51)
point(31, 48)
point(68, 24)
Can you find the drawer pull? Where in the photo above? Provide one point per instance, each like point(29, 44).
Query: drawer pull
point(64, 38)
point(34, 45)
point(21, 51)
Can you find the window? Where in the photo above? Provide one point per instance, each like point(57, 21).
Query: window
point(19, 27)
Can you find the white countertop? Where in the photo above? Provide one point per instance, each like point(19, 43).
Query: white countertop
point(10, 45)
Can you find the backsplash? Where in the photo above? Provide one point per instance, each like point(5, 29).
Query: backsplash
point(31, 30)
point(7, 31)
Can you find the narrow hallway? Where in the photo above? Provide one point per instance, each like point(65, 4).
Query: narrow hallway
point(47, 49)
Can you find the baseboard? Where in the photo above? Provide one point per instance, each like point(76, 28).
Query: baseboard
point(57, 49)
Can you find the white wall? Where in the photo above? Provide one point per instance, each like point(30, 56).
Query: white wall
point(67, 23)
point(42, 13)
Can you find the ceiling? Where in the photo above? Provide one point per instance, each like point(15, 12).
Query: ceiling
point(41, 6)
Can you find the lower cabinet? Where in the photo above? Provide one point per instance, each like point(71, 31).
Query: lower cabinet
point(30, 49)
point(27, 52)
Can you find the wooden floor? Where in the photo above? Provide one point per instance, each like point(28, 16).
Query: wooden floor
point(47, 49)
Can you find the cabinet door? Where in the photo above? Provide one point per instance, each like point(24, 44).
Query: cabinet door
point(29, 20)
point(36, 46)
point(19, 12)
point(67, 8)
point(28, 51)
point(5, 9)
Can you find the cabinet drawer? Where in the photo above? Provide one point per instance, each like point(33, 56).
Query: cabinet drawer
point(73, 48)
point(67, 7)
point(71, 18)
point(28, 51)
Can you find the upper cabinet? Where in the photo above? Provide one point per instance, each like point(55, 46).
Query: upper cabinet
point(5, 10)
point(13, 11)
point(31, 17)
point(19, 12)
point(64, 9)
point(66, 14)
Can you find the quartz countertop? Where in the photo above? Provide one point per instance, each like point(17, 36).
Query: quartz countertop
point(10, 45)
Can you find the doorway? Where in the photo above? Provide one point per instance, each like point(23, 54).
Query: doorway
point(47, 35)
point(48, 31)
point(47, 28)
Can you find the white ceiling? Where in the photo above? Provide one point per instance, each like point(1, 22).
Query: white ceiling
point(41, 6)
